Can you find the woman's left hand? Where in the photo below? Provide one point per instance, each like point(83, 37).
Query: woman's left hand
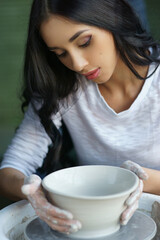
point(132, 201)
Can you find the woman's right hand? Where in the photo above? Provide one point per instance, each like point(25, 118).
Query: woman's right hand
point(58, 219)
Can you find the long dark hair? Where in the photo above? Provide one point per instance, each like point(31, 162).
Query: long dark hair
point(48, 80)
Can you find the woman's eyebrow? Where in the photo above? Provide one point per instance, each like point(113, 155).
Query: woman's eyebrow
point(76, 35)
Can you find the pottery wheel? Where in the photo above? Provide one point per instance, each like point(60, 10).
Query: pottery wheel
point(140, 227)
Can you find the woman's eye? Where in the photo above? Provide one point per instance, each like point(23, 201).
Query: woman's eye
point(61, 54)
point(87, 42)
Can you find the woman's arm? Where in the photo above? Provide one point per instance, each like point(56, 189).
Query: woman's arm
point(152, 184)
point(151, 181)
point(11, 181)
point(28, 147)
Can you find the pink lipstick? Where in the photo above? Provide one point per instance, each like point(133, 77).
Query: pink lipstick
point(92, 74)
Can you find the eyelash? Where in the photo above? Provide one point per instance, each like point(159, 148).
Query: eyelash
point(86, 44)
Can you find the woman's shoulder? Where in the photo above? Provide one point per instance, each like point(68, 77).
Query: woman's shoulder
point(64, 105)
point(155, 69)
point(154, 81)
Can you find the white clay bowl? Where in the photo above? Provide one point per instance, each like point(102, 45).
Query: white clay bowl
point(94, 194)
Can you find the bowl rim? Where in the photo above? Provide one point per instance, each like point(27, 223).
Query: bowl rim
point(85, 197)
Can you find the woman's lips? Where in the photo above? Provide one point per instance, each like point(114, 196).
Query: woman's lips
point(92, 74)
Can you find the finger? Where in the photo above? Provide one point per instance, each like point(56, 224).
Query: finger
point(44, 208)
point(64, 226)
point(127, 214)
point(135, 195)
point(29, 189)
point(58, 228)
point(71, 225)
point(136, 168)
point(31, 184)
point(53, 211)
point(62, 222)
point(32, 179)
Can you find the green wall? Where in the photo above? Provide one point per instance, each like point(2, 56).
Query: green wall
point(13, 28)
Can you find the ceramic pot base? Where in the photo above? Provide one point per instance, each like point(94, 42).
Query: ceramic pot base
point(140, 227)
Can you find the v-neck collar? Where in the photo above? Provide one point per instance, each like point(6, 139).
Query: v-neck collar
point(138, 99)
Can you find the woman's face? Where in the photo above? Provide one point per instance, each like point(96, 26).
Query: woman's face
point(85, 49)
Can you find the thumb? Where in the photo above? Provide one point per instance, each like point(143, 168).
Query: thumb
point(31, 184)
point(136, 168)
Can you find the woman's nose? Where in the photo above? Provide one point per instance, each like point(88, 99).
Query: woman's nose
point(79, 63)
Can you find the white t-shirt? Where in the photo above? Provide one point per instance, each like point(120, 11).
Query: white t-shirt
point(100, 135)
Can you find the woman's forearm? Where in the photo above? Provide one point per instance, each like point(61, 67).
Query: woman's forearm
point(152, 184)
point(11, 181)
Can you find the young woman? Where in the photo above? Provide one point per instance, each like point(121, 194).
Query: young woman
point(92, 65)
